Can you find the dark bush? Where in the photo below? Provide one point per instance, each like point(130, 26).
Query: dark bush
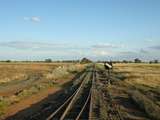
point(48, 60)
point(137, 60)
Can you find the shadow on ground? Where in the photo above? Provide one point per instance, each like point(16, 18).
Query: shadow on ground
point(49, 104)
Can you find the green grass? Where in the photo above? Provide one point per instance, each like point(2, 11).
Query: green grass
point(3, 105)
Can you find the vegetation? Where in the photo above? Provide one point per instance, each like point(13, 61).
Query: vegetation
point(62, 71)
point(85, 60)
point(146, 104)
point(22, 71)
point(137, 60)
point(48, 60)
point(154, 61)
point(19, 81)
point(139, 83)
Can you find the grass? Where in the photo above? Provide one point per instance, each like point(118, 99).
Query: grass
point(62, 71)
point(140, 74)
point(9, 100)
point(47, 75)
point(146, 104)
point(20, 71)
point(3, 104)
point(139, 83)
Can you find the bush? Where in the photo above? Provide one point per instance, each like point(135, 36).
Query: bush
point(48, 60)
point(85, 60)
point(62, 71)
point(3, 105)
point(154, 61)
point(137, 60)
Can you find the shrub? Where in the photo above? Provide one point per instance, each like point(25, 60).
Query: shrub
point(62, 71)
point(85, 60)
point(137, 60)
point(48, 60)
point(3, 105)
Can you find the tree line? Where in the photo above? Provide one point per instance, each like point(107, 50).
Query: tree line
point(85, 60)
point(136, 60)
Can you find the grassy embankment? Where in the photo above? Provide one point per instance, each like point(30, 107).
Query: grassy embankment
point(136, 90)
point(140, 85)
point(25, 80)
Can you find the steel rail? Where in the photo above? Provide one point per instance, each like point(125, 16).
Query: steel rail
point(54, 113)
point(72, 101)
point(91, 101)
point(77, 118)
point(65, 103)
point(115, 109)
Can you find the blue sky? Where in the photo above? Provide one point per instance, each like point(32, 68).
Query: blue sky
point(72, 29)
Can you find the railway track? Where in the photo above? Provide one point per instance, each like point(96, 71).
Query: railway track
point(112, 109)
point(77, 105)
point(61, 98)
point(90, 101)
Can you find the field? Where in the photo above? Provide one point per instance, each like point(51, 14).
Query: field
point(20, 81)
point(131, 91)
point(136, 89)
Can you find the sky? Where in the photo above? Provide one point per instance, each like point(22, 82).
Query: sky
point(73, 29)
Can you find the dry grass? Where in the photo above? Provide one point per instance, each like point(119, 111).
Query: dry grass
point(144, 74)
point(19, 81)
point(62, 71)
point(146, 104)
point(20, 71)
point(143, 78)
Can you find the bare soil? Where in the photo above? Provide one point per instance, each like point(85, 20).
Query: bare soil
point(33, 100)
point(13, 109)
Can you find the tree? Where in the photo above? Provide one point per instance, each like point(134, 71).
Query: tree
point(85, 60)
point(48, 60)
point(137, 60)
point(155, 61)
point(150, 62)
point(125, 61)
point(8, 60)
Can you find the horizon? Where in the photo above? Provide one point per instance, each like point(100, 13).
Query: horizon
point(71, 30)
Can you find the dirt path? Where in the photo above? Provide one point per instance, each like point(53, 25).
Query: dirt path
point(28, 102)
point(13, 109)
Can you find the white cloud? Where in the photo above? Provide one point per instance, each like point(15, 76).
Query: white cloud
point(102, 53)
point(127, 53)
point(26, 18)
point(33, 19)
point(143, 51)
point(155, 47)
point(106, 49)
point(57, 50)
point(32, 45)
point(149, 40)
point(106, 46)
point(37, 50)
